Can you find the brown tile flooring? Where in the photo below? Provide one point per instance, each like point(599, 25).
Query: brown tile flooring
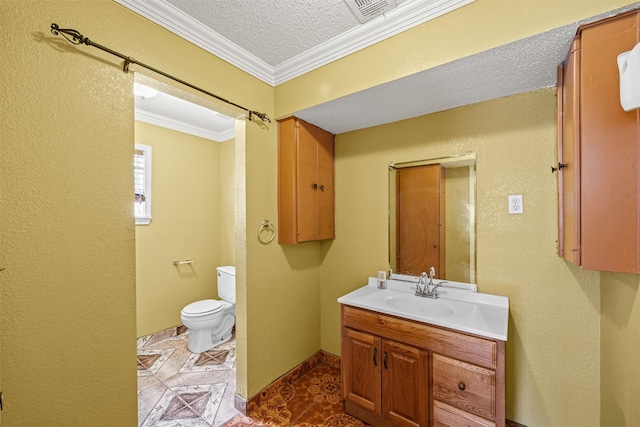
point(311, 399)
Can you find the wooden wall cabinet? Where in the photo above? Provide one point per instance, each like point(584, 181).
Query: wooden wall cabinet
point(598, 152)
point(306, 195)
point(398, 372)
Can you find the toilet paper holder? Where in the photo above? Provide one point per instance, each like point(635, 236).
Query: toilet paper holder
point(185, 262)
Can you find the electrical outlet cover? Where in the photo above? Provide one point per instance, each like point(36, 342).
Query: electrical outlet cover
point(515, 204)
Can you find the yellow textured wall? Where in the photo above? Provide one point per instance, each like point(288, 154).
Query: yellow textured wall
point(187, 224)
point(554, 331)
point(620, 349)
point(282, 302)
point(227, 203)
point(67, 217)
point(68, 293)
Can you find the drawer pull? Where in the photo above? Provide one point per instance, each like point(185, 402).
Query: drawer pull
point(385, 360)
point(461, 386)
point(375, 353)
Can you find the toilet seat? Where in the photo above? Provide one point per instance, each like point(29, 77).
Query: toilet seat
point(203, 307)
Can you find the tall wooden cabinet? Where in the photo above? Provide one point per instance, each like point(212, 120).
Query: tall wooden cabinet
point(306, 196)
point(598, 151)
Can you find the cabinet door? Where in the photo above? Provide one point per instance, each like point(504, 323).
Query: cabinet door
point(361, 363)
point(609, 151)
point(569, 156)
point(405, 400)
point(307, 181)
point(326, 184)
point(287, 181)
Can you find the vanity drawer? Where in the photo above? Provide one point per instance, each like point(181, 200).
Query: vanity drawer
point(448, 416)
point(465, 386)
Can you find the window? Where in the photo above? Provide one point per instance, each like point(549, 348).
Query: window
point(142, 183)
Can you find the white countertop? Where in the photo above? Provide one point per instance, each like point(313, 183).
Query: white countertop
point(481, 314)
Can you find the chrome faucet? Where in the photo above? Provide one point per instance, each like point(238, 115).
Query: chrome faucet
point(428, 289)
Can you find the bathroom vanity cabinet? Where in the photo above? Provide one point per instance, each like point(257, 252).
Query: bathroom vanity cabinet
point(306, 197)
point(400, 372)
point(598, 151)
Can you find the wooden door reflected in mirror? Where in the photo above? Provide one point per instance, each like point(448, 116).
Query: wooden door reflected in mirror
point(432, 218)
point(420, 220)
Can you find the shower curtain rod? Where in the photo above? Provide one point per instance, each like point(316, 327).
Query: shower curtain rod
point(74, 37)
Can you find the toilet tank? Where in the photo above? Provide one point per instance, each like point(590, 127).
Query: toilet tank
point(227, 283)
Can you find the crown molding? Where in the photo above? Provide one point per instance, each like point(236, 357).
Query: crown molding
point(176, 21)
point(406, 16)
point(403, 18)
point(179, 126)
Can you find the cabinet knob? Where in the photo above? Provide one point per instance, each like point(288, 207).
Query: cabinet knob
point(315, 186)
point(461, 386)
point(560, 166)
point(322, 188)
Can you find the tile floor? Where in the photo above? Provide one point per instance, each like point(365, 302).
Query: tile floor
point(307, 396)
point(177, 388)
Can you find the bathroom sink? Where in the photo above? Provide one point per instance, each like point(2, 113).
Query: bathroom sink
point(420, 306)
point(460, 309)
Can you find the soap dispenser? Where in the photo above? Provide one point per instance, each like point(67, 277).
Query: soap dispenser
point(382, 280)
point(629, 67)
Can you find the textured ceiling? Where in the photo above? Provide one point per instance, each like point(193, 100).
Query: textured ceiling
point(278, 40)
point(275, 31)
point(518, 67)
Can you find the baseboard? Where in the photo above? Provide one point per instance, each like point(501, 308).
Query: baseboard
point(164, 334)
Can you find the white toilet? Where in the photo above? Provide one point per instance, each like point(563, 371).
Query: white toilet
point(210, 321)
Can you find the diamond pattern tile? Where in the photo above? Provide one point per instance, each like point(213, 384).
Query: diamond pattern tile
point(180, 388)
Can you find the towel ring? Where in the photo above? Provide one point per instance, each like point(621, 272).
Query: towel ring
point(266, 225)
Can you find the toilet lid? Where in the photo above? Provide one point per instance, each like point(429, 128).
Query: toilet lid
point(205, 306)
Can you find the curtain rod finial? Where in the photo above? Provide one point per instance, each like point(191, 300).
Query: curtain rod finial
point(263, 116)
point(72, 36)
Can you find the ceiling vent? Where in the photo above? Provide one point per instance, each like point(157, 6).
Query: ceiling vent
point(366, 10)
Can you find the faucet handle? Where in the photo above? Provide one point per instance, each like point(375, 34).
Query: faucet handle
point(423, 278)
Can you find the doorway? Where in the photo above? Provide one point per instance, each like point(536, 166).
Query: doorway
point(191, 232)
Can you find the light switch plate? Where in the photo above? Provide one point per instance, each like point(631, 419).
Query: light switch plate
point(515, 204)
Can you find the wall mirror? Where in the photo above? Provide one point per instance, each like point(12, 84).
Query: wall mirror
point(432, 218)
